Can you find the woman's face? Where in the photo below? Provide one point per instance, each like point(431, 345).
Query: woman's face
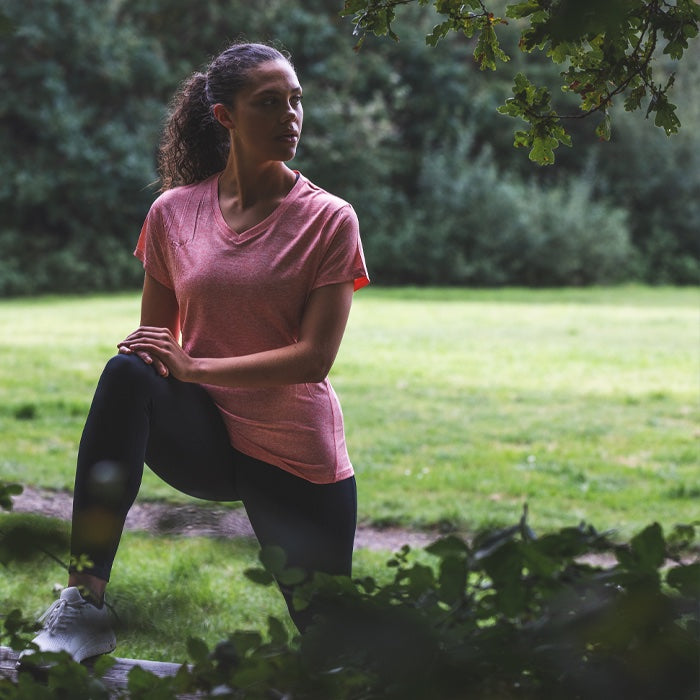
point(267, 114)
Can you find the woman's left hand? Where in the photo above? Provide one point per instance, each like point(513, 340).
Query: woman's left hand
point(161, 344)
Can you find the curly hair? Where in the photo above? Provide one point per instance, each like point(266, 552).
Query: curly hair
point(194, 145)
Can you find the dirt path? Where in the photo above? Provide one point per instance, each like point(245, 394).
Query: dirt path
point(202, 521)
point(194, 520)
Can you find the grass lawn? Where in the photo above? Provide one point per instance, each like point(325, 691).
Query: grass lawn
point(463, 405)
point(165, 589)
point(460, 406)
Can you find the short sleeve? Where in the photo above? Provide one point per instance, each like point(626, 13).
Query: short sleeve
point(151, 248)
point(344, 259)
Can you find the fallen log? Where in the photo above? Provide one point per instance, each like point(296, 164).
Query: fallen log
point(115, 679)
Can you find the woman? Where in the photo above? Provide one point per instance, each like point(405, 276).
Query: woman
point(222, 390)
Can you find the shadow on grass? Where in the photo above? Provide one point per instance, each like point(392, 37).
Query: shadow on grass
point(28, 537)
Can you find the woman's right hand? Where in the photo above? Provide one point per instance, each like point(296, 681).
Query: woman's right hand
point(157, 364)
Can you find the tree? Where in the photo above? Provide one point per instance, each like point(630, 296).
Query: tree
point(78, 122)
point(85, 92)
point(608, 49)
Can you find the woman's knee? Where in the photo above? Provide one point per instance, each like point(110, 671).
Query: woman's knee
point(125, 378)
point(128, 369)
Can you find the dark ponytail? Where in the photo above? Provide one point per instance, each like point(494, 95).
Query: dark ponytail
point(194, 145)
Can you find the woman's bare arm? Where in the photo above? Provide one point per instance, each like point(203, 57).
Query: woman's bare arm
point(307, 360)
point(159, 309)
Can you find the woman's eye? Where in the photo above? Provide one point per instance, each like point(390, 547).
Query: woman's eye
point(273, 101)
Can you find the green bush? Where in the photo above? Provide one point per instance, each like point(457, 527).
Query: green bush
point(474, 225)
point(85, 92)
point(80, 117)
point(663, 201)
point(570, 615)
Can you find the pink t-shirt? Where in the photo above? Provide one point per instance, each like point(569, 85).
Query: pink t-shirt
point(244, 293)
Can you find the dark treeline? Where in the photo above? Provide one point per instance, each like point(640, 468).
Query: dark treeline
point(409, 134)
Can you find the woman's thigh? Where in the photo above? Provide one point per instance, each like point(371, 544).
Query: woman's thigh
point(138, 416)
point(188, 445)
point(313, 523)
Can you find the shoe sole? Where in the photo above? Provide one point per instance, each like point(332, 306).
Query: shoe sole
point(24, 663)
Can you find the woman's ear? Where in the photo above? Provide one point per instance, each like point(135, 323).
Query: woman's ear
point(223, 116)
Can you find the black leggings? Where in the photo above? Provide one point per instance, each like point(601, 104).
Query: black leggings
point(138, 416)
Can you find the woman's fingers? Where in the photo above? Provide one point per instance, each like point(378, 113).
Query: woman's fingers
point(160, 367)
point(145, 336)
point(155, 340)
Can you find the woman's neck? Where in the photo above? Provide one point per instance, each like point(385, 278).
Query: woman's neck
point(250, 186)
point(246, 201)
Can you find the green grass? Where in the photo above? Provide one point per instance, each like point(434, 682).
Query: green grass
point(460, 405)
point(165, 589)
point(463, 405)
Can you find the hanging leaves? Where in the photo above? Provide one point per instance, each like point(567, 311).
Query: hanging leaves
point(607, 47)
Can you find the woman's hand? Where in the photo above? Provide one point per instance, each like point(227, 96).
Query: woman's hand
point(158, 347)
point(309, 359)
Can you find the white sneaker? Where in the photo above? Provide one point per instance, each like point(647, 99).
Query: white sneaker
point(74, 625)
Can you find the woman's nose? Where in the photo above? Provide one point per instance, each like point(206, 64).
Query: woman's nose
point(290, 112)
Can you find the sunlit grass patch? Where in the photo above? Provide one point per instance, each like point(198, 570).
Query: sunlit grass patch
point(460, 405)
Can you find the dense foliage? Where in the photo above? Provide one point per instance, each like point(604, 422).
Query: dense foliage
point(606, 47)
point(509, 615)
point(409, 134)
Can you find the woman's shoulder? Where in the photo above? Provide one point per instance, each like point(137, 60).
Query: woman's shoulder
point(182, 195)
point(317, 197)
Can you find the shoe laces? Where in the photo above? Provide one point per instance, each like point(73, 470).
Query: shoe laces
point(58, 615)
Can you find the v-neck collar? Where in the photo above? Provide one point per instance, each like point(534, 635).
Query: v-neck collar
point(261, 225)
